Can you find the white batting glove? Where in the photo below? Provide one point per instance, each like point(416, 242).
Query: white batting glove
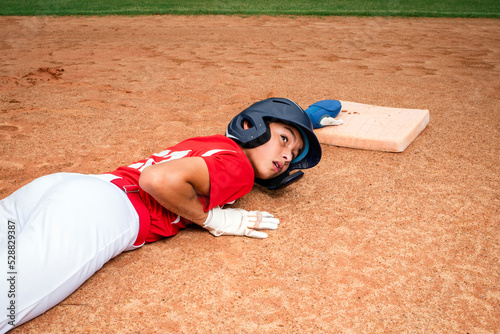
point(325, 121)
point(240, 222)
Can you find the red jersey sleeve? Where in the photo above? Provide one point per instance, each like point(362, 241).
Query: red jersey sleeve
point(231, 177)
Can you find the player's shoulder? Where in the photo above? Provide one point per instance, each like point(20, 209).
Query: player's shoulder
point(214, 142)
point(214, 139)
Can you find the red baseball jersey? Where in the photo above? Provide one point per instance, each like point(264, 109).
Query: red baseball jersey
point(231, 177)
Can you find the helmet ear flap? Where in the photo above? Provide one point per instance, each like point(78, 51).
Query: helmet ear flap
point(259, 140)
point(256, 132)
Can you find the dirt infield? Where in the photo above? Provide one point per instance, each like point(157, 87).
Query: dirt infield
point(369, 242)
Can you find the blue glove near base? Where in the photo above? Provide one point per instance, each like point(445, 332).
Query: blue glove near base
point(323, 113)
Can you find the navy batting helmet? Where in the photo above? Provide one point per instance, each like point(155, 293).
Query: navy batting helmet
point(285, 111)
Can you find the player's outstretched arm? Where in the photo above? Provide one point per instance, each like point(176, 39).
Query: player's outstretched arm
point(175, 185)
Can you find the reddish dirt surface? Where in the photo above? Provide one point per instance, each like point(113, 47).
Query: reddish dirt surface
point(369, 241)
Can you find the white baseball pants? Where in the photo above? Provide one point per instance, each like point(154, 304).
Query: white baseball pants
point(55, 233)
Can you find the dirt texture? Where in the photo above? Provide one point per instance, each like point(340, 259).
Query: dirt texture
point(369, 242)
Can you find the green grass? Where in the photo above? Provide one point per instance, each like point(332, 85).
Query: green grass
point(407, 8)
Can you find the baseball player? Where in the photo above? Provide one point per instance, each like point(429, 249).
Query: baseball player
point(60, 229)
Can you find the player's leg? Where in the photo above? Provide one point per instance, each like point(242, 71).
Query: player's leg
point(20, 204)
point(73, 229)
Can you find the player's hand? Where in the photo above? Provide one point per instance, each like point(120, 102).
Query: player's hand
point(325, 121)
point(240, 222)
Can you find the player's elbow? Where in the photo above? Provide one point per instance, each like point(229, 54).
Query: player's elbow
point(147, 180)
point(151, 180)
point(156, 181)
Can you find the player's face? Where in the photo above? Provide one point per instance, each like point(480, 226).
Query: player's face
point(273, 158)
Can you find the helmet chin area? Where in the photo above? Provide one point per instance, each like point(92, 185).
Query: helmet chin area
point(280, 181)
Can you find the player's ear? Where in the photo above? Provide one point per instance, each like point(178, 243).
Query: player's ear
point(246, 125)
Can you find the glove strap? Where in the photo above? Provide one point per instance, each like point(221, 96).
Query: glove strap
point(208, 224)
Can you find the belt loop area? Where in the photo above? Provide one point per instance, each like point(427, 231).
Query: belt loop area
point(133, 195)
point(131, 189)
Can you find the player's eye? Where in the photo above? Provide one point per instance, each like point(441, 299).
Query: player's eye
point(284, 138)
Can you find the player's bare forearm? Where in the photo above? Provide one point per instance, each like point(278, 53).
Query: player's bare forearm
point(175, 185)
